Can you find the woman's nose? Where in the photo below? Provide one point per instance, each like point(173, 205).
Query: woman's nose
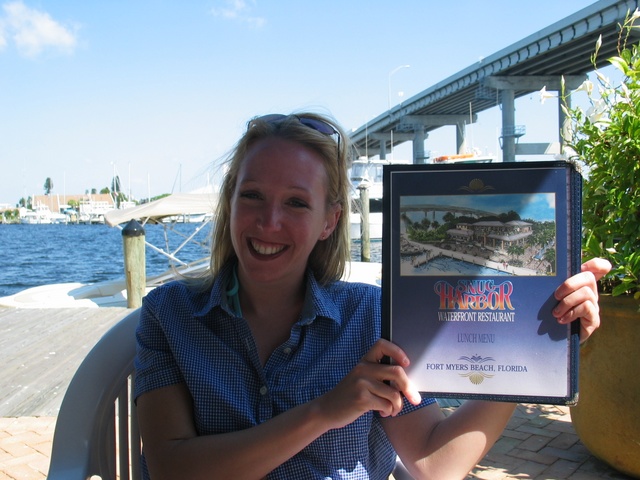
point(270, 217)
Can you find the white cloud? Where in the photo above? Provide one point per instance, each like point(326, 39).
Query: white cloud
point(32, 31)
point(3, 40)
point(238, 10)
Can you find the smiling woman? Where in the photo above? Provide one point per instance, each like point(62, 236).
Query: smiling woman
point(272, 341)
point(278, 212)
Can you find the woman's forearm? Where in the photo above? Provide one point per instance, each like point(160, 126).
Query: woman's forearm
point(174, 450)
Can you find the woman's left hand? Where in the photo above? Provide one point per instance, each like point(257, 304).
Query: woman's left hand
point(578, 297)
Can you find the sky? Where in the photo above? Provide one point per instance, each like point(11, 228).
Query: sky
point(536, 206)
point(157, 92)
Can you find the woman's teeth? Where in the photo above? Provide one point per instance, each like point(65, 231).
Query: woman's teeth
point(266, 250)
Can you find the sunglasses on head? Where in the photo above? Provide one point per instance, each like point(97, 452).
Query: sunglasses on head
point(317, 125)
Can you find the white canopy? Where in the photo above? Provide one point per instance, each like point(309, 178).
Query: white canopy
point(176, 204)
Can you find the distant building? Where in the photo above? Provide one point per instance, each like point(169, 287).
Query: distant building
point(91, 207)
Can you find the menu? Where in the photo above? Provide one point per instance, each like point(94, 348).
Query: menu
point(472, 255)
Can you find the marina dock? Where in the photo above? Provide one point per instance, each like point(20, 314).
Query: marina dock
point(40, 350)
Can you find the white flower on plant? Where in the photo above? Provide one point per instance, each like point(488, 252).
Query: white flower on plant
point(626, 94)
point(603, 79)
point(544, 95)
point(586, 86)
point(597, 111)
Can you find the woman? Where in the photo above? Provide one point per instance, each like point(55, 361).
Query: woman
point(270, 368)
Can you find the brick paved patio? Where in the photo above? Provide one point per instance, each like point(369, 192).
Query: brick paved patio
point(539, 443)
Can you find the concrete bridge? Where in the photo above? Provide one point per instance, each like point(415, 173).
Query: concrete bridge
point(540, 60)
point(426, 208)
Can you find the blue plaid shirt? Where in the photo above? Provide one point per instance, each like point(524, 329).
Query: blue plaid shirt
point(194, 338)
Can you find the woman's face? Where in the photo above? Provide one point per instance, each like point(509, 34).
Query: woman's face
point(279, 210)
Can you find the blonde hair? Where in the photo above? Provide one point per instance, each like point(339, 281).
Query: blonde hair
point(329, 257)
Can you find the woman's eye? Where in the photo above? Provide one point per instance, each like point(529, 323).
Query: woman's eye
point(298, 203)
point(250, 195)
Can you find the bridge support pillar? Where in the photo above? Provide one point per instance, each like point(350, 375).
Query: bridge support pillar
point(507, 97)
point(418, 144)
point(461, 140)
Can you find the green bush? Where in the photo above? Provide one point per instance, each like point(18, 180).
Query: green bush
point(606, 139)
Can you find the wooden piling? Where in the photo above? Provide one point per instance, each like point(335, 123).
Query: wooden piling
point(134, 263)
point(365, 240)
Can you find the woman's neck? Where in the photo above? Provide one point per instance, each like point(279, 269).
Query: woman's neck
point(270, 311)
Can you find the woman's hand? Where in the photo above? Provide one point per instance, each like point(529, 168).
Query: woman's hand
point(578, 297)
point(370, 385)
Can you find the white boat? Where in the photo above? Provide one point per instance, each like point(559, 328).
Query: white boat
point(31, 217)
point(375, 226)
point(113, 293)
point(463, 158)
point(41, 215)
point(93, 211)
point(365, 172)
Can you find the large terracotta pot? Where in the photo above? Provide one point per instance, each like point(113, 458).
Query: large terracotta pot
point(607, 417)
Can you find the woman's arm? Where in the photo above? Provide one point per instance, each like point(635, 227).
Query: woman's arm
point(173, 448)
point(433, 446)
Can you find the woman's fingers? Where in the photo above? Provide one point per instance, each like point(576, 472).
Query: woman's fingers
point(394, 374)
point(578, 297)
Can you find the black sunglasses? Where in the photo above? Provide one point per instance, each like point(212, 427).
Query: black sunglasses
point(318, 125)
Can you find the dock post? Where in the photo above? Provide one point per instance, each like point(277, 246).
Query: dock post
point(134, 263)
point(365, 241)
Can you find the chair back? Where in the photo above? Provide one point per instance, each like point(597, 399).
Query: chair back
point(97, 429)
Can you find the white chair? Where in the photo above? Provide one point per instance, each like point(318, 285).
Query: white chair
point(97, 430)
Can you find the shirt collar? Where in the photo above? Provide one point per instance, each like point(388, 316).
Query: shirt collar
point(218, 296)
point(317, 302)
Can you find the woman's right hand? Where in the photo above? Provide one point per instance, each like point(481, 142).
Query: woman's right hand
point(370, 385)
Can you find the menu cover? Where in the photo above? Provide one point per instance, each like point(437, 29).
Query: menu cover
point(471, 257)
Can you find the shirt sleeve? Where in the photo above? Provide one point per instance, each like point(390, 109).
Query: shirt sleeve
point(155, 363)
point(408, 407)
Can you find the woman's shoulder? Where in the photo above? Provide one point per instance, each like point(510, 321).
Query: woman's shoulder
point(355, 291)
point(179, 292)
point(174, 287)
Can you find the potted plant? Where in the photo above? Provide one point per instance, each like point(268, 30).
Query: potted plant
point(605, 139)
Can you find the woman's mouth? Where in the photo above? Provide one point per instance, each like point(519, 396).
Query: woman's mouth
point(266, 248)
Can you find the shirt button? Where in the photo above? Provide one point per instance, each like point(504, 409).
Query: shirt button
point(263, 390)
point(287, 350)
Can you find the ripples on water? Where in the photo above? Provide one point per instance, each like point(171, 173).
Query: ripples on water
point(447, 266)
point(34, 255)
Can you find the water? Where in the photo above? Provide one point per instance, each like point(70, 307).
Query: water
point(448, 266)
point(34, 255)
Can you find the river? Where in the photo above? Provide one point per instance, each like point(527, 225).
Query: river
point(34, 255)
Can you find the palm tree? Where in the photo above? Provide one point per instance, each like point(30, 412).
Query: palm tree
point(48, 186)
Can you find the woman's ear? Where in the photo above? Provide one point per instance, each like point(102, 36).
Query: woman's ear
point(331, 221)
